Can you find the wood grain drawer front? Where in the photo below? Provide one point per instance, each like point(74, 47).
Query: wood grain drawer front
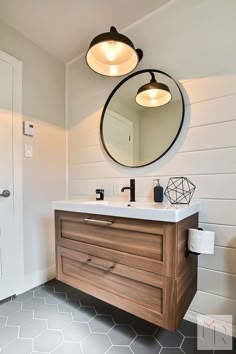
point(141, 244)
point(107, 275)
point(137, 243)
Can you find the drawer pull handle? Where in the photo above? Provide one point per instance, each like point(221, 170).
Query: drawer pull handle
point(98, 222)
point(99, 266)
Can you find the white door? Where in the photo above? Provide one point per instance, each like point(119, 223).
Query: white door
point(118, 133)
point(10, 237)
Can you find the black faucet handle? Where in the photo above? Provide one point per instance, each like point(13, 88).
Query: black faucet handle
point(132, 182)
point(132, 190)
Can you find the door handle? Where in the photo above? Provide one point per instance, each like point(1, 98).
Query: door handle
point(5, 193)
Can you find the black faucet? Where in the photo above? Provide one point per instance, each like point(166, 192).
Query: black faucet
point(132, 190)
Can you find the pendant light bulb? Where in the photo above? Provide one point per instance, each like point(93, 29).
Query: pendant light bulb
point(112, 54)
point(153, 94)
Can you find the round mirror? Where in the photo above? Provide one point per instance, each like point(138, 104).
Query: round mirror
point(133, 134)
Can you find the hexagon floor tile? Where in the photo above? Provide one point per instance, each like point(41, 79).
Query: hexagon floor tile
point(8, 308)
point(33, 303)
point(119, 350)
point(96, 343)
point(45, 311)
point(7, 335)
point(43, 292)
point(84, 314)
point(2, 321)
point(48, 341)
point(75, 294)
point(172, 351)
point(33, 328)
point(145, 345)
point(68, 305)
point(19, 346)
point(122, 317)
point(101, 324)
point(76, 332)
point(55, 298)
point(23, 297)
point(121, 335)
point(190, 346)
point(68, 348)
point(20, 318)
point(143, 327)
point(169, 339)
point(55, 318)
point(59, 320)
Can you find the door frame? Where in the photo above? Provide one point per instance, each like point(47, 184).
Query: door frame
point(17, 164)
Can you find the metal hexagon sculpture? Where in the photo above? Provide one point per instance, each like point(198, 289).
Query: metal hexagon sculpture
point(179, 190)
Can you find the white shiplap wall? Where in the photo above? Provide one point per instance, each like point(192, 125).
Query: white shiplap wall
point(198, 50)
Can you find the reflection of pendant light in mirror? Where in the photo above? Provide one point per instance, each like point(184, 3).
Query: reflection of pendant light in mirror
point(112, 54)
point(153, 94)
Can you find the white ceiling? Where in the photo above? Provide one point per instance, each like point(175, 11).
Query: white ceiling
point(65, 28)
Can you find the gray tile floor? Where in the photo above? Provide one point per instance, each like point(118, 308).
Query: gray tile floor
point(58, 319)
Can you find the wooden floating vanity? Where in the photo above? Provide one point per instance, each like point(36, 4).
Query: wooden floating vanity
point(136, 265)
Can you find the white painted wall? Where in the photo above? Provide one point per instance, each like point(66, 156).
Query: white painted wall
point(194, 42)
point(43, 174)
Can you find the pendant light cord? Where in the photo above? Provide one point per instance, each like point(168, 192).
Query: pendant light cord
point(153, 79)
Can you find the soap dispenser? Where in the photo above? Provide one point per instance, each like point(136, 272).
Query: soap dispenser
point(158, 192)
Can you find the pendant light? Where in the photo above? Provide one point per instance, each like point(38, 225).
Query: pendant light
point(153, 94)
point(112, 54)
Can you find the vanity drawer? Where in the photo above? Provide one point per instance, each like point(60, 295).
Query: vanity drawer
point(137, 243)
point(131, 285)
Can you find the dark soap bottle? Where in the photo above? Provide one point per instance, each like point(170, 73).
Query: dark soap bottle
point(158, 192)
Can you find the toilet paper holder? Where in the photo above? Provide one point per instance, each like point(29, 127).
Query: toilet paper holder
point(187, 251)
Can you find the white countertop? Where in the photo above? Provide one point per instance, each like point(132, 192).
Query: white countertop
point(135, 210)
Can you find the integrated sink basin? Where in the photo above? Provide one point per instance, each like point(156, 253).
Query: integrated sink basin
point(119, 204)
point(136, 210)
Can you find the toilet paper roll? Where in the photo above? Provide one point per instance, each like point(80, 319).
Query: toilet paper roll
point(200, 241)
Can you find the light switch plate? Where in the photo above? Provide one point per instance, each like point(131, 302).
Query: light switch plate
point(28, 151)
point(28, 128)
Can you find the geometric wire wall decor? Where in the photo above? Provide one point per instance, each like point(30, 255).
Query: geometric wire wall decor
point(179, 190)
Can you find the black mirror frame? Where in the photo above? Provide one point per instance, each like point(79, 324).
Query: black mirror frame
point(109, 99)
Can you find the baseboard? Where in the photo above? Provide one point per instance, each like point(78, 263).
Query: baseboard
point(37, 278)
point(191, 316)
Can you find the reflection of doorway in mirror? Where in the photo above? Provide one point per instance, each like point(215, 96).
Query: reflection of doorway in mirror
point(118, 132)
point(158, 129)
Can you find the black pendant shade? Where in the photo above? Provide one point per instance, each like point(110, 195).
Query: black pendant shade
point(112, 54)
point(153, 94)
